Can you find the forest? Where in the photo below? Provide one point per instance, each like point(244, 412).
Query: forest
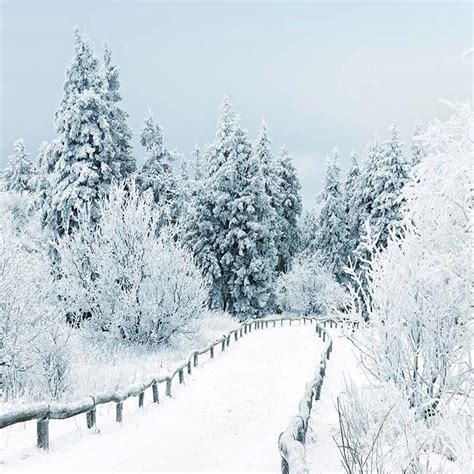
point(112, 257)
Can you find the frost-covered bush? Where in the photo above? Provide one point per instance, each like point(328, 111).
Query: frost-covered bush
point(419, 297)
point(308, 288)
point(33, 352)
point(379, 432)
point(126, 283)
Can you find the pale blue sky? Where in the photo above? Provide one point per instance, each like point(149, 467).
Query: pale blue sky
point(320, 74)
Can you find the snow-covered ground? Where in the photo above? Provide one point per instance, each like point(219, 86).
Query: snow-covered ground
point(322, 453)
point(227, 416)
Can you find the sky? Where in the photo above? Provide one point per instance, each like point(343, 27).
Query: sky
point(320, 74)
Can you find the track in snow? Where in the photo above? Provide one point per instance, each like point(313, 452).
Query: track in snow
point(227, 417)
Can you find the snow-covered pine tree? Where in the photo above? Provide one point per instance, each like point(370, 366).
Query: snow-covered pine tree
point(309, 230)
point(249, 243)
point(199, 167)
point(417, 149)
point(351, 188)
point(204, 228)
point(387, 181)
point(84, 149)
point(291, 207)
point(362, 201)
point(229, 228)
point(20, 173)
point(156, 175)
point(332, 232)
point(271, 178)
point(121, 133)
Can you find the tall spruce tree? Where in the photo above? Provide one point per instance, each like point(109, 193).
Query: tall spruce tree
point(120, 131)
point(351, 188)
point(84, 153)
point(156, 175)
point(332, 232)
point(20, 173)
point(387, 180)
point(199, 165)
point(290, 210)
point(229, 228)
point(261, 151)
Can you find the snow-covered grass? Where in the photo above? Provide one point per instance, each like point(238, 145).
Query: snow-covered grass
point(227, 416)
point(322, 453)
point(102, 367)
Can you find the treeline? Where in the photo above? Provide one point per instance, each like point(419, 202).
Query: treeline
point(236, 206)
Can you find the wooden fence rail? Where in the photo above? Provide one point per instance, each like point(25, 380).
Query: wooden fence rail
point(291, 442)
point(43, 412)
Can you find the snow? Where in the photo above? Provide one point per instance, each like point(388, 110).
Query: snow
point(227, 416)
point(322, 453)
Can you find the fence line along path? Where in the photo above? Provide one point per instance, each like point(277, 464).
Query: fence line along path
point(226, 416)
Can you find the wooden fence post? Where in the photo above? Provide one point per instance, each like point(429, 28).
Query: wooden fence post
point(42, 433)
point(274, 323)
point(223, 345)
point(281, 321)
point(168, 387)
point(241, 332)
point(154, 389)
point(212, 352)
point(189, 367)
point(141, 399)
point(291, 321)
point(181, 376)
point(236, 337)
point(195, 359)
point(90, 418)
point(324, 336)
point(228, 340)
point(118, 412)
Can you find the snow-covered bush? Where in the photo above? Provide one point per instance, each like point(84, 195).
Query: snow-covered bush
point(418, 296)
point(127, 283)
point(380, 433)
point(308, 288)
point(33, 353)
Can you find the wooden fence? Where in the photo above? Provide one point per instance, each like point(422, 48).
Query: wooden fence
point(43, 412)
point(291, 442)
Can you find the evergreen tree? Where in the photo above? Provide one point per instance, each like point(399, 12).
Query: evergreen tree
point(387, 181)
point(417, 149)
point(20, 173)
point(156, 175)
point(261, 152)
point(121, 133)
point(309, 230)
point(84, 153)
point(351, 188)
point(332, 233)
point(250, 249)
point(291, 207)
point(199, 164)
point(229, 228)
point(362, 201)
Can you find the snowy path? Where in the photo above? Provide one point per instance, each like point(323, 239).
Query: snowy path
point(322, 453)
point(227, 417)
